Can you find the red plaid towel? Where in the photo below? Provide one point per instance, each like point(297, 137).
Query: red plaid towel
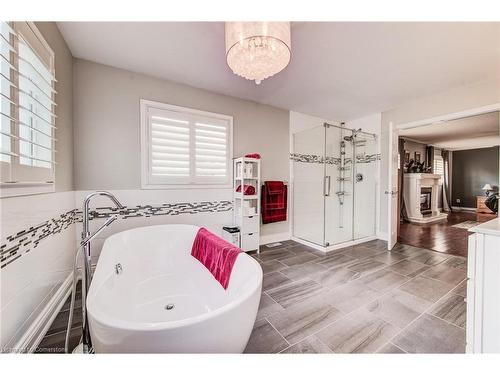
point(274, 202)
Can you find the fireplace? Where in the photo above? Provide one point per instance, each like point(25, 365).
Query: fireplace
point(425, 200)
point(420, 194)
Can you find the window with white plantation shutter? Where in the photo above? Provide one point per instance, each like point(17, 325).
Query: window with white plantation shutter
point(27, 110)
point(438, 165)
point(184, 147)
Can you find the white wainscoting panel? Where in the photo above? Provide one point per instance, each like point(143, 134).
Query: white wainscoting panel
point(30, 281)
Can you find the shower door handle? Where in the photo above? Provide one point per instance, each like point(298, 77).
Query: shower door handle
point(326, 186)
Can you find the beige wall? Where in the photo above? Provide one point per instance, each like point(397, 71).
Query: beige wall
point(459, 99)
point(107, 141)
point(64, 109)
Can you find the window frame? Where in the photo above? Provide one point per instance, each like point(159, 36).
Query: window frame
point(25, 179)
point(436, 158)
point(147, 181)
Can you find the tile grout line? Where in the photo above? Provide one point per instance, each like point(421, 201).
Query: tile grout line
point(347, 314)
point(404, 351)
point(279, 333)
point(444, 320)
point(400, 330)
point(422, 314)
point(267, 294)
point(419, 316)
point(437, 317)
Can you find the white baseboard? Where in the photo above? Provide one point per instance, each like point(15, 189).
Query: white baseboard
point(472, 209)
point(277, 237)
point(310, 244)
point(37, 330)
point(334, 247)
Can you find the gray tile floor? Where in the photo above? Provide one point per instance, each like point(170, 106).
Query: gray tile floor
point(360, 299)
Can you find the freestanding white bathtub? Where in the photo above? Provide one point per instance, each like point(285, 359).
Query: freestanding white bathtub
point(128, 311)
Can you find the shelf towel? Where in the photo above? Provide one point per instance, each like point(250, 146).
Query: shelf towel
point(216, 254)
point(274, 202)
point(247, 189)
point(253, 156)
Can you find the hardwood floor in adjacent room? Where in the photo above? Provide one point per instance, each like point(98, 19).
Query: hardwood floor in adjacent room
point(442, 237)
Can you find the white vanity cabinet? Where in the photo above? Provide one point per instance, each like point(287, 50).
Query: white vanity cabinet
point(483, 289)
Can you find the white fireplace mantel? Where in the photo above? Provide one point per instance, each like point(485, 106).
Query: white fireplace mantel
point(413, 184)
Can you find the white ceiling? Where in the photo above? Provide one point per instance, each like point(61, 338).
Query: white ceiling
point(338, 71)
point(466, 133)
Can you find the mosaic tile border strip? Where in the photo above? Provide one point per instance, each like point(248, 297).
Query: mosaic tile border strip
point(171, 209)
point(367, 158)
point(306, 158)
point(318, 159)
point(24, 241)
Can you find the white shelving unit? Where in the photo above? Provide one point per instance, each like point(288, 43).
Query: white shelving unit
point(246, 171)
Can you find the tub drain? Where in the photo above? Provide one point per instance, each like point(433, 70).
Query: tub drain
point(169, 306)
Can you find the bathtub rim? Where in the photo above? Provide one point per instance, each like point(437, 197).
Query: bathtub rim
point(109, 321)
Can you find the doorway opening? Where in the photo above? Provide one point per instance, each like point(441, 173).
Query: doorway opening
point(447, 175)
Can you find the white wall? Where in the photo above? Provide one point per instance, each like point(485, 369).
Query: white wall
point(456, 100)
point(107, 151)
point(412, 147)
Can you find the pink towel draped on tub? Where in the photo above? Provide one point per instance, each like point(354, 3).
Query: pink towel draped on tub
point(217, 255)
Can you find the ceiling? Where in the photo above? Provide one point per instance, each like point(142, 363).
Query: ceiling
point(465, 133)
point(338, 71)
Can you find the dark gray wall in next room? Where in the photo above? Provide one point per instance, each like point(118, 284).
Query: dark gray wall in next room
point(471, 169)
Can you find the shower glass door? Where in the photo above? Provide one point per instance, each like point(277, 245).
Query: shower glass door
point(334, 185)
point(308, 177)
point(365, 185)
point(340, 195)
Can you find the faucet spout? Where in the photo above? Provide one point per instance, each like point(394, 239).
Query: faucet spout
point(107, 194)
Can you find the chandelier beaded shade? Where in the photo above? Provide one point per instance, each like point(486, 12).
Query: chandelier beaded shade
point(257, 50)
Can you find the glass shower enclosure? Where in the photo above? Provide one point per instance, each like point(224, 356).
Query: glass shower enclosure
point(334, 185)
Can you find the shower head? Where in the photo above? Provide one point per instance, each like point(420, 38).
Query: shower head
point(350, 138)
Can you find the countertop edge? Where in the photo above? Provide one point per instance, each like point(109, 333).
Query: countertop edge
point(491, 227)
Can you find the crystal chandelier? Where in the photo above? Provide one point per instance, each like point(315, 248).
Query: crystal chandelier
point(257, 50)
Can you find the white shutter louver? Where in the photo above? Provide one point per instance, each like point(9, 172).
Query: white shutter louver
point(27, 120)
point(7, 86)
point(211, 151)
point(36, 108)
point(185, 146)
point(170, 147)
